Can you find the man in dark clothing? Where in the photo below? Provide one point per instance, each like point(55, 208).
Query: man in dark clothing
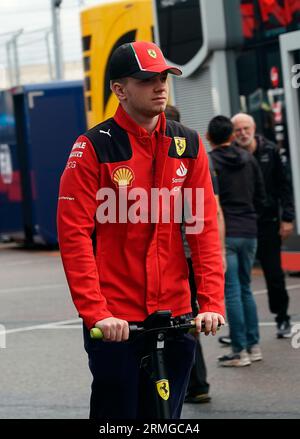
point(276, 222)
point(241, 195)
point(198, 387)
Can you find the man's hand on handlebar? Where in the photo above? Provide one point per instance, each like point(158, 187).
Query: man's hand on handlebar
point(113, 329)
point(211, 319)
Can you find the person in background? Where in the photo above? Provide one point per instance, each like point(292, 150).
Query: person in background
point(198, 387)
point(276, 222)
point(242, 194)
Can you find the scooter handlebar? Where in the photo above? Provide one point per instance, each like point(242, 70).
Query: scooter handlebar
point(96, 333)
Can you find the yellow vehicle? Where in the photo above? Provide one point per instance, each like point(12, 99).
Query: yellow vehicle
point(104, 28)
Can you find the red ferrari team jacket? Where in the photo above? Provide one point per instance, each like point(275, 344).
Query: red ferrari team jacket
point(130, 268)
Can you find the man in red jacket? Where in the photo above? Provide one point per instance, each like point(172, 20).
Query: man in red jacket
point(121, 242)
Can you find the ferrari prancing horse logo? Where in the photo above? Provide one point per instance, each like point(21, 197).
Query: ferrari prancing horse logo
point(180, 143)
point(163, 389)
point(152, 53)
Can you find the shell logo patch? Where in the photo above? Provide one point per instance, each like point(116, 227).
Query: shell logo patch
point(180, 143)
point(163, 389)
point(123, 176)
point(152, 53)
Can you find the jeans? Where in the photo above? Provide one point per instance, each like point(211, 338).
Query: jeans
point(240, 303)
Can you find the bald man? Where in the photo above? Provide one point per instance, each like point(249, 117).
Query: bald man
point(276, 222)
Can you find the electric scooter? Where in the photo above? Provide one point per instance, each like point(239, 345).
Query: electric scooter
point(160, 326)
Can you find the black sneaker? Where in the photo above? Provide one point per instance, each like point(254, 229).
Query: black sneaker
point(201, 398)
point(225, 340)
point(284, 329)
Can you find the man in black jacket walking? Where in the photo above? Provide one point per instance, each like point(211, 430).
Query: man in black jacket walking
point(242, 194)
point(276, 222)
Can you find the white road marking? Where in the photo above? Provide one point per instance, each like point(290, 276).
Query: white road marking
point(44, 326)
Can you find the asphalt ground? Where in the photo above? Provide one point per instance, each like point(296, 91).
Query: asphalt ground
point(43, 366)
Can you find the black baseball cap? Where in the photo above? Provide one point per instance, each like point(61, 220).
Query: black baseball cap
point(139, 59)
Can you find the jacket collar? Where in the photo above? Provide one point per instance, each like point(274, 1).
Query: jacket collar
point(260, 143)
point(127, 123)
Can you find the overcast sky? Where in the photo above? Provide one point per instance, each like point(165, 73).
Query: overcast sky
point(31, 15)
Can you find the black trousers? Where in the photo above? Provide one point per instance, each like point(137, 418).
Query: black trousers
point(197, 383)
point(269, 255)
point(122, 389)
